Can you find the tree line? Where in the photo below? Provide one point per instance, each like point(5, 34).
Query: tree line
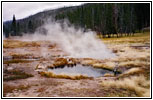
point(105, 18)
point(110, 18)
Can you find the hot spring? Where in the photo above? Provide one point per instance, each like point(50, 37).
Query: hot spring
point(74, 43)
point(80, 70)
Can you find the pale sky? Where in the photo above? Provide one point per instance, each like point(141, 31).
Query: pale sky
point(25, 9)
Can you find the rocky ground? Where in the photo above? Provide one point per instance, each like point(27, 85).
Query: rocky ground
point(24, 61)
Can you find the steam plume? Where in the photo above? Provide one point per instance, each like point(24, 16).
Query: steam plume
point(75, 42)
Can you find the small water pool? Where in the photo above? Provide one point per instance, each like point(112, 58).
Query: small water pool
point(79, 69)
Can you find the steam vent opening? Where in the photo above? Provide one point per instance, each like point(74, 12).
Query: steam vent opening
point(80, 70)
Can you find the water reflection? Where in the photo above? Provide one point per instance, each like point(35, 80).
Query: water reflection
point(79, 69)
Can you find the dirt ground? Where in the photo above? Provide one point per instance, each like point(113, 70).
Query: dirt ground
point(20, 79)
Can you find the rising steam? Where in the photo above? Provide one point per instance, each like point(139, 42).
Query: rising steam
point(75, 42)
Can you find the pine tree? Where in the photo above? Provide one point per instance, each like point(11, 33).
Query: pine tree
point(5, 31)
point(18, 28)
point(13, 29)
point(30, 27)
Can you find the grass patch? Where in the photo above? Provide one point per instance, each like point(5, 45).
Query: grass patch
point(60, 62)
point(21, 56)
point(65, 76)
point(119, 92)
point(9, 89)
point(16, 61)
point(139, 84)
point(15, 74)
point(88, 62)
point(132, 64)
point(104, 66)
point(63, 62)
point(108, 75)
point(137, 38)
point(19, 44)
point(132, 72)
point(135, 63)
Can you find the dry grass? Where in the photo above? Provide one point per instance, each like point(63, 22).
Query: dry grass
point(65, 76)
point(21, 56)
point(9, 88)
point(146, 58)
point(132, 72)
point(136, 63)
point(19, 44)
point(63, 62)
point(104, 66)
point(60, 62)
point(16, 61)
point(88, 62)
point(139, 84)
point(119, 92)
point(15, 74)
point(145, 71)
point(137, 38)
point(108, 75)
